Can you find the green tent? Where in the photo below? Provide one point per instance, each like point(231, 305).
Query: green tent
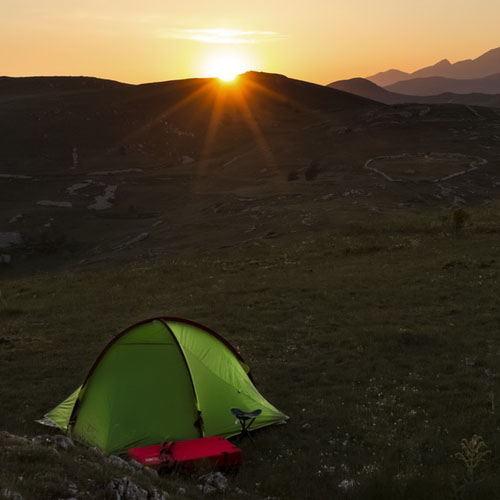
point(165, 379)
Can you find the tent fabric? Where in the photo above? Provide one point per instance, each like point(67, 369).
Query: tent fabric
point(165, 379)
point(59, 416)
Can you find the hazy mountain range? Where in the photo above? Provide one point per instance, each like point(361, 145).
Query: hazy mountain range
point(434, 85)
point(485, 65)
point(470, 82)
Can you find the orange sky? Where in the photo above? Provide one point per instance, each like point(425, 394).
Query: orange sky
point(317, 40)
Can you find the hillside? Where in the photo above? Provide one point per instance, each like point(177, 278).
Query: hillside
point(122, 170)
point(54, 114)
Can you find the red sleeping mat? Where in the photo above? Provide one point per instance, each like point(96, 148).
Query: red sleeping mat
point(216, 451)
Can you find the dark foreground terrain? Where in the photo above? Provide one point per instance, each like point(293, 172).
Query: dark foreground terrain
point(348, 249)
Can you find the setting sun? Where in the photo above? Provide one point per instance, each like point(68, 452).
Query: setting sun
point(224, 66)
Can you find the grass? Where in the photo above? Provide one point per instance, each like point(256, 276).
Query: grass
point(379, 338)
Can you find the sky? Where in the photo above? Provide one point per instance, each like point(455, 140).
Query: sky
point(139, 41)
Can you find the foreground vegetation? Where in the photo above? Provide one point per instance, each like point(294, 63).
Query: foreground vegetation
point(378, 336)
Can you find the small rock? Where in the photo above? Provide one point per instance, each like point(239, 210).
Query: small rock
point(63, 442)
point(16, 218)
point(10, 495)
point(347, 484)
point(212, 482)
point(137, 239)
point(136, 465)
point(158, 495)
point(305, 427)
point(58, 204)
point(186, 160)
point(181, 491)
point(102, 202)
point(73, 488)
point(13, 176)
point(80, 185)
point(125, 489)
point(118, 462)
point(10, 239)
point(57, 440)
point(207, 489)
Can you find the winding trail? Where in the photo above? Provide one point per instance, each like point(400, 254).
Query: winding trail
point(473, 165)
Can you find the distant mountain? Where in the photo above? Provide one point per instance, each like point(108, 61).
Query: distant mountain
point(388, 77)
point(366, 88)
point(437, 85)
point(484, 65)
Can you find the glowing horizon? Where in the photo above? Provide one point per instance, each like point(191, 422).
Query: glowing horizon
point(319, 41)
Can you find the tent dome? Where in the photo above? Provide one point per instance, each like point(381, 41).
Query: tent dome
point(164, 379)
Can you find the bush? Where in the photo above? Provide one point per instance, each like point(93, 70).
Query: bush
point(45, 240)
point(312, 170)
point(459, 219)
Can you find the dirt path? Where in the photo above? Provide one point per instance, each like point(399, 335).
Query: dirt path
point(473, 165)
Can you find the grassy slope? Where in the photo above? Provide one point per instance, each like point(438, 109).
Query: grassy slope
point(381, 336)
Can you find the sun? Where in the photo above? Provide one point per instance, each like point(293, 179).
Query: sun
point(226, 67)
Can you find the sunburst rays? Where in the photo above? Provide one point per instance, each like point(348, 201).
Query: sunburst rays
point(241, 96)
point(165, 113)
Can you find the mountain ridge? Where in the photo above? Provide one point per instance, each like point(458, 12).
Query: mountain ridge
point(434, 85)
point(486, 64)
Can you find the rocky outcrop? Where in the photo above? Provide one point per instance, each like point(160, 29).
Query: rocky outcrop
point(125, 489)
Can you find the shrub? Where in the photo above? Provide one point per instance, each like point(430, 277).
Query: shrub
point(459, 219)
point(312, 170)
point(45, 240)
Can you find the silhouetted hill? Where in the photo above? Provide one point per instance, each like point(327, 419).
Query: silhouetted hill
point(484, 65)
point(44, 117)
point(42, 84)
point(301, 92)
point(366, 88)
